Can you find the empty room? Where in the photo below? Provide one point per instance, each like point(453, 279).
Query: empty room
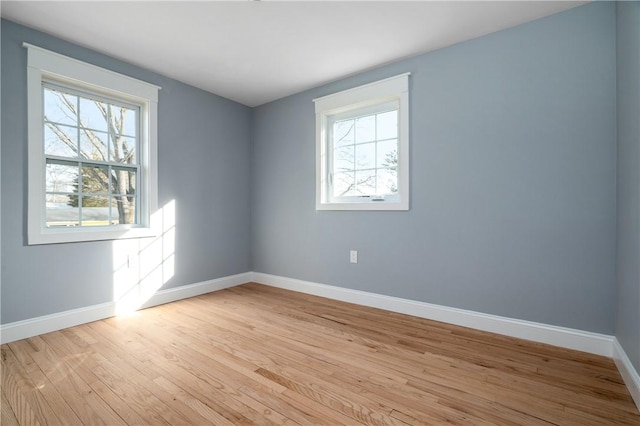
point(320, 212)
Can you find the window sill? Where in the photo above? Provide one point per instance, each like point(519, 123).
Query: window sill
point(66, 235)
point(369, 206)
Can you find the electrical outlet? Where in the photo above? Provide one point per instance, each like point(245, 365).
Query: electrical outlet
point(353, 256)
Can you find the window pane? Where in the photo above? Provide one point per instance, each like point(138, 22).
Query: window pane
point(60, 212)
point(60, 107)
point(343, 184)
point(95, 211)
point(89, 202)
point(123, 209)
point(366, 156)
point(366, 129)
point(388, 125)
point(60, 140)
point(61, 178)
point(123, 180)
point(122, 149)
point(127, 118)
point(366, 182)
point(93, 145)
point(93, 114)
point(343, 133)
point(387, 154)
point(387, 182)
point(343, 159)
point(95, 179)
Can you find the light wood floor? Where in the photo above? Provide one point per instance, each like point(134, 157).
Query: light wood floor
point(254, 354)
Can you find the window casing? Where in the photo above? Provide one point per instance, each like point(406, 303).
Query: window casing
point(362, 147)
point(92, 151)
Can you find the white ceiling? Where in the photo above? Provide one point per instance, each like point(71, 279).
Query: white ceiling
point(255, 52)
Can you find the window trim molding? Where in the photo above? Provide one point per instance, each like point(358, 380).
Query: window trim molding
point(46, 65)
point(388, 89)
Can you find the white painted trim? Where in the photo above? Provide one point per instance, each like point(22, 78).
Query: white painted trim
point(80, 72)
point(353, 100)
point(186, 291)
point(44, 64)
point(599, 344)
point(48, 323)
point(387, 87)
point(627, 371)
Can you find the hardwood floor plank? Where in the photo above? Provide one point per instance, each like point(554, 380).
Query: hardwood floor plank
point(506, 359)
point(213, 375)
point(7, 416)
point(23, 394)
point(206, 412)
point(280, 346)
point(23, 350)
point(91, 373)
point(368, 319)
point(178, 370)
point(88, 403)
point(150, 380)
point(259, 355)
point(293, 410)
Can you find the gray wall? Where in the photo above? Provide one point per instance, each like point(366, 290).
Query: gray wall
point(628, 235)
point(204, 146)
point(513, 153)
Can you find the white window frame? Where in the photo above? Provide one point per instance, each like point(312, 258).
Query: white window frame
point(47, 66)
point(350, 102)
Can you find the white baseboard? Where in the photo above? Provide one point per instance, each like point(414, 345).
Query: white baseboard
point(186, 291)
point(33, 326)
point(627, 371)
point(48, 323)
point(599, 344)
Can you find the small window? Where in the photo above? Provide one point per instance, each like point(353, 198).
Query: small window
point(362, 147)
point(92, 152)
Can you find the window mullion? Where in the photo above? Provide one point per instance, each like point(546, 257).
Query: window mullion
point(80, 192)
point(109, 194)
point(375, 156)
point(79, 153)
point(110, 139)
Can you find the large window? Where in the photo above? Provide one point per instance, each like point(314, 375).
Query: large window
point(362, 147)
point(92, 151)
point(90, 145)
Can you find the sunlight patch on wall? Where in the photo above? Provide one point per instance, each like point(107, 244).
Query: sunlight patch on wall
point(142, 266)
